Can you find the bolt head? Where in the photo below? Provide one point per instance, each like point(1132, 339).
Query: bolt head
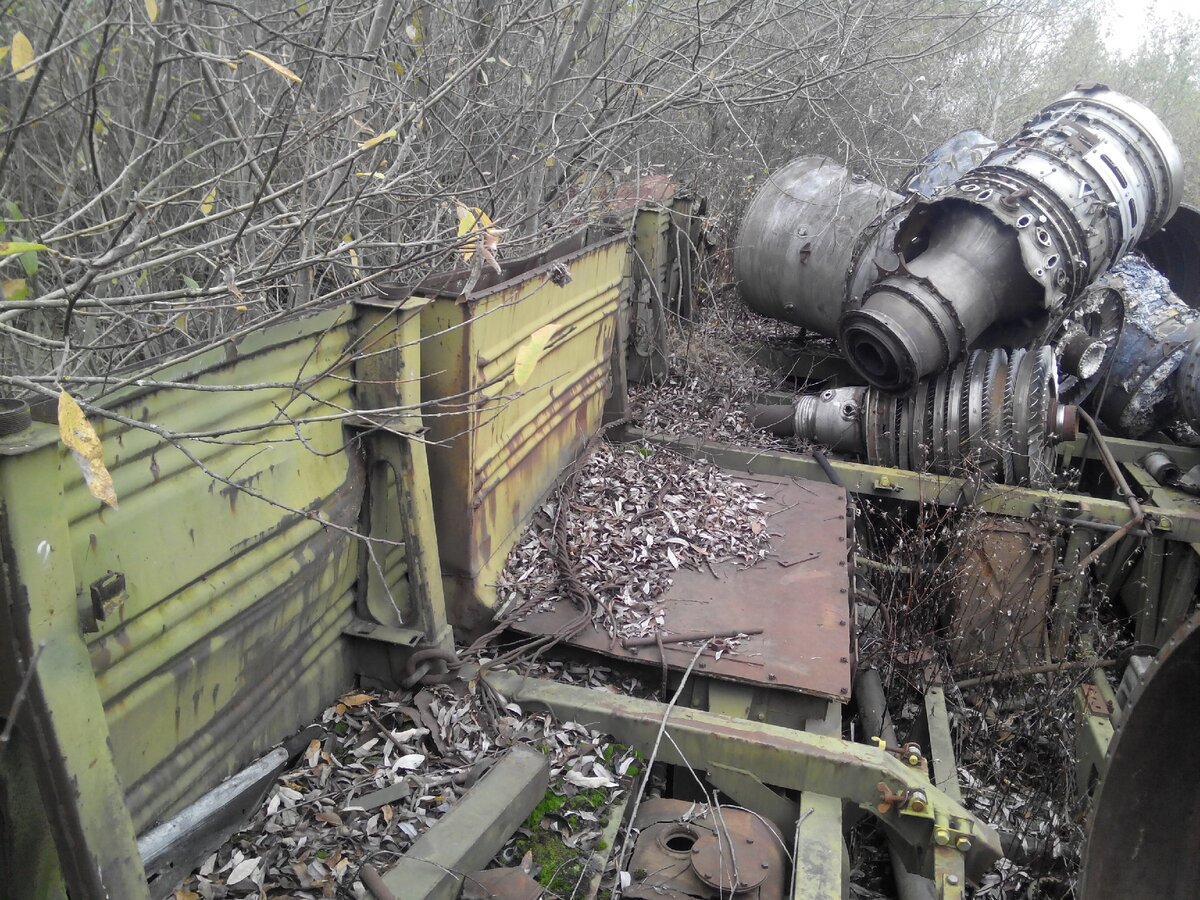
point(951, 879)
point(941, 837)
point(963, 844)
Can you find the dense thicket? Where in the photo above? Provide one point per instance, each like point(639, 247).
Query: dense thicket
point(197, 167)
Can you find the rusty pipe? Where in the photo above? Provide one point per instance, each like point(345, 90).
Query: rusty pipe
point(1114, 471)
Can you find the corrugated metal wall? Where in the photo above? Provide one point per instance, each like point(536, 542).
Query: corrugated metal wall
point(228, 638)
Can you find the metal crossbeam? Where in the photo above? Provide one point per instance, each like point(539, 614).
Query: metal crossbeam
point(902, 484)
point(782, 757)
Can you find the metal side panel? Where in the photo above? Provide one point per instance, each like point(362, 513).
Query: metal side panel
point(212, 601)
point(497, 446)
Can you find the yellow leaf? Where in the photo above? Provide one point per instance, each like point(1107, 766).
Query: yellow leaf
point(472, 220)
point(181, 323)
point(8, 248)
point(378, 139)
point(3, 52)
point(15, 289)
point(210, 199)
point(241, 308)
point(152, 10)
point(530, 352)
point(278, 67)
point(353, 700)
point(22, 57)
point(396, 67)
point(79, 435)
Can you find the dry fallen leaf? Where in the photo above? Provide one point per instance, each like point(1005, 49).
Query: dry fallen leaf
point(277, 66)
point(8, 248)
point(22, 56)
point(410, 761)
point(474, 221)
point(588, 783)
point(79, 435)
point(353, 700)
point(15, 289)
point(378, 139)
point(243, 871)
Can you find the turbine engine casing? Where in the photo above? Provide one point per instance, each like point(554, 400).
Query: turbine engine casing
point(1045, 215)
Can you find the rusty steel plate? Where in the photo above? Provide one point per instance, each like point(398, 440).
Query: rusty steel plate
point(798, 596)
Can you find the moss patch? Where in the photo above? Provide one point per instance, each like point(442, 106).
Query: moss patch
point(561, 869)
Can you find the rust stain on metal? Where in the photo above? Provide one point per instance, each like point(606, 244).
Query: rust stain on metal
point(497, 447)
point(801, 613)
point(1001, 593)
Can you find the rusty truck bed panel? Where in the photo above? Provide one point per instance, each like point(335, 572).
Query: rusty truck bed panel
point(496, 445)
point(798, 597)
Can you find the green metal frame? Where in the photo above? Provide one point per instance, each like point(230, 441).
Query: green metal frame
point(61, 721)
point(466, 838)
point(901, 484)
point(786, 758)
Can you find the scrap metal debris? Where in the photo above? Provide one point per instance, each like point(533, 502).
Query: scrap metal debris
point(637, 514)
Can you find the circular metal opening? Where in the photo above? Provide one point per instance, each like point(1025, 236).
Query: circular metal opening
point(1024, 221)
point(680, 841)
point(984, 195)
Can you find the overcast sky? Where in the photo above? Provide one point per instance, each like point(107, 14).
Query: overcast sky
point(1129, 26)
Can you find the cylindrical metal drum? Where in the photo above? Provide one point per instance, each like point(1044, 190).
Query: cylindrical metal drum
point(1146, 819)
point(798, 237)
point(1175, 251)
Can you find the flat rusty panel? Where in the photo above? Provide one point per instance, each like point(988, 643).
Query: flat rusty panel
point(799, 597)
point(496, 447)
point(1001, 593)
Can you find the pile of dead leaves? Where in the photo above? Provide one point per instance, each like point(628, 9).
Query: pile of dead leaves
point(713, 379)
point(637, 514)
point(385, 769)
